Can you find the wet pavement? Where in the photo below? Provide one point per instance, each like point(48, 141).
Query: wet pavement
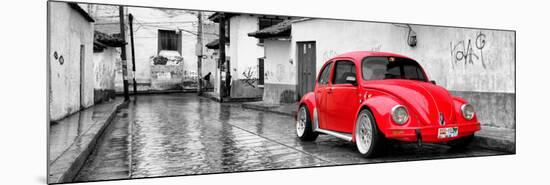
point(183, 134)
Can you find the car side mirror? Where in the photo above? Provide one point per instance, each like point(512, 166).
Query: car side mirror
point(351, 80)
point(433, 81)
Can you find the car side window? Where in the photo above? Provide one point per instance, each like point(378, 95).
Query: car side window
point(323, 79)
point(342, 70)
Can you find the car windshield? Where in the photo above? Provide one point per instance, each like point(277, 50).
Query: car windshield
point(380, 68)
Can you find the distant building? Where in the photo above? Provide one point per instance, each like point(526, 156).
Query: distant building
point(246, 54)
point(164, 41)
point(105, 58)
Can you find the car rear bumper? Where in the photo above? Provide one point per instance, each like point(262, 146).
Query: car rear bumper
point(429, 134)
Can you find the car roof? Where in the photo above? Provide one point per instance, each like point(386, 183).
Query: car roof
point(359, 55)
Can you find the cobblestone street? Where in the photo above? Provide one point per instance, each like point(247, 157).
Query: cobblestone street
point(183, 134)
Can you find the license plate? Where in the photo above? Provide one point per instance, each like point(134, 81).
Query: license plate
point(447, 132)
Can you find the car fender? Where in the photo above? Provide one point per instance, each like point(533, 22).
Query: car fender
point(309, 101)
point(380, 105)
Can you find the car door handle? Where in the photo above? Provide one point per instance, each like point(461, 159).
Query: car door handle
point(329, 90)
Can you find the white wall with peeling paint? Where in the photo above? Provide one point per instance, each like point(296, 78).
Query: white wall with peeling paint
point(105, 68)
point(278, 68)
point(487, 64)
point(69, 30)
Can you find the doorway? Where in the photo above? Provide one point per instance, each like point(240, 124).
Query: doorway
point(82, 77)
point(306, 59)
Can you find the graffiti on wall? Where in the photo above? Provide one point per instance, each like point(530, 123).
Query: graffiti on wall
point(329, 54)
point(376, 48)
point(469, 51)
point(250, 78)
point(281, 72)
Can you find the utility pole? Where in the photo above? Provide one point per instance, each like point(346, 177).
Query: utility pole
point(131, 21)
point(221, 42)
point(199, 54)
point(123, 53)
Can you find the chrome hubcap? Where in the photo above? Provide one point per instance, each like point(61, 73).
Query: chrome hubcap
point(363, 133)
point(301, 122)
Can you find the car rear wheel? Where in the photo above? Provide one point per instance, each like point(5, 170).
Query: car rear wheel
point(368, 138)
point(304, 126)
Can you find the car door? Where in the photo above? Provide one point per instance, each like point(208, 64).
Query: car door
point(342, 97)
point(321, 93)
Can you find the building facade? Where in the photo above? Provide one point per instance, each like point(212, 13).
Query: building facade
point(477, 64)
point(164, 46)
point(246, 55)
point(70, 59)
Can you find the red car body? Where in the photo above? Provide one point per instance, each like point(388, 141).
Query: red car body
point(334, 108)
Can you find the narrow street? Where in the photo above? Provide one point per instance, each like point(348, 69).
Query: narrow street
point(183, 134)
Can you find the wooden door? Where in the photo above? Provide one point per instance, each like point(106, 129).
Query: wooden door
point(306, 67)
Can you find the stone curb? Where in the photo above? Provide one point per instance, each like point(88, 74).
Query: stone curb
point(267, 109)
point(66, 168)
point(492, 143)
point(482, 141)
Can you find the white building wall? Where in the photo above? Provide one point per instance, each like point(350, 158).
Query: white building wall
point(475, 64)
point(492, 63)
point(146, 25)
point(278, 68)
point(68, 30)
point(244, 52)
point(280, 72)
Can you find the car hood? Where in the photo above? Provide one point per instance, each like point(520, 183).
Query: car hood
point(424, 100)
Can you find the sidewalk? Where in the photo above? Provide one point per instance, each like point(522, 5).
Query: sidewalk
point(496, 138)
point(488, 137)
point(216, 97)
point(72, 139)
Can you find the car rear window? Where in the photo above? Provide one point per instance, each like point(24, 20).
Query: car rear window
point(380, 68)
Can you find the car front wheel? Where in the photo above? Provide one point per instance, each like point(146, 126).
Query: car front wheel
point(304, 126)
point(368, 138)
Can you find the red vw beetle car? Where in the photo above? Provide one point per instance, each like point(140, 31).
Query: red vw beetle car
point(369, 97)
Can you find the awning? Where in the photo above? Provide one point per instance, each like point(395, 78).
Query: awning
point(216, 16)
point(108, 40)
point(278, 30)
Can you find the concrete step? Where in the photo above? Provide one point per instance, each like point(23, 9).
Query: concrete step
point(283, 109)
point(72, 139)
